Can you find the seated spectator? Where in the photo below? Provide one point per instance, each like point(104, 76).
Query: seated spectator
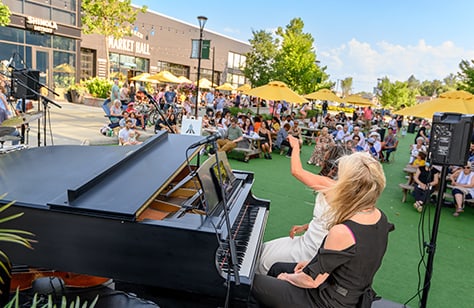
point(126, 132)
point(415, 148)
point(370, 148)
point(355, 144)
point(266, 143)
point(463, 182)
point(296, 132)
point(234, 136)
point(339, 137)
point(420, 159)
point(389, 144)
point(115, 113)
point(281, 139)
point(426, 179)
point(356, 132)
point(323, 142)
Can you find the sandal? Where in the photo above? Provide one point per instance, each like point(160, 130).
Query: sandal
point(458, 211)
point(418, 206)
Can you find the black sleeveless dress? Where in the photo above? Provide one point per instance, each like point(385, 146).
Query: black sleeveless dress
point(353, 269)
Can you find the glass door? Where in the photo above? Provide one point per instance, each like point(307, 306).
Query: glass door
point(42, 59)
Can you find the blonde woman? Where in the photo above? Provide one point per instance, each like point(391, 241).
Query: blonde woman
point(350, 254)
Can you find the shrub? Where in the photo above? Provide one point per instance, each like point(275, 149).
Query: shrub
point(98, 87)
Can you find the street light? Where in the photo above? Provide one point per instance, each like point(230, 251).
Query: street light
point(202, 21)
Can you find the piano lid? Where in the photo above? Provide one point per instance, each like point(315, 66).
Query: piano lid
point(113, 181)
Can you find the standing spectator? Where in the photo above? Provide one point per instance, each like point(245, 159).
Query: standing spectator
point(220, 102)
point(325, 108)
point(210, 99)
point(124, 98)
point(114, 94)
point(423, 132)
point(170, 98)
point(367, 117)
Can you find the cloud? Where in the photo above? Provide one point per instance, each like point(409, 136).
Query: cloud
point(365, 63)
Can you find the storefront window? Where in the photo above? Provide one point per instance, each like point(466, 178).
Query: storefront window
point(64, 69)
point(34, 9)
point(64, 17)
point(64, 43)
point(12, 35)
point(38, 39)
point(121, 64)
point(8, 51)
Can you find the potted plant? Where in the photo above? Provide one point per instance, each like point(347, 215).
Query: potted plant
point(75, 93)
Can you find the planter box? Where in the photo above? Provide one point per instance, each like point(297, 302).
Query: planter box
point(93, 101)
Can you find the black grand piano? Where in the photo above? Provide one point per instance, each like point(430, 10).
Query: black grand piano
point(136, 214)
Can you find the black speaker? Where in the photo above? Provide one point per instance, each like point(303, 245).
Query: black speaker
point(450, 138)
point(30, 78)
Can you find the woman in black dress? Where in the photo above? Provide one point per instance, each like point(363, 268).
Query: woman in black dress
point(343, 269)
point(425, 179)
point(266, 143)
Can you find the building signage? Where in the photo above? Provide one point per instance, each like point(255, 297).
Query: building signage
point(205, 48)
point(41, 25)
point(129, 46)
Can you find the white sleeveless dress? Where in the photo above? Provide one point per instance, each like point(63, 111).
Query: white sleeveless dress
point(300, 248)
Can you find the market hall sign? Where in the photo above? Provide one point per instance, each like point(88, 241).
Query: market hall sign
point(41, 25)
point(129, 45)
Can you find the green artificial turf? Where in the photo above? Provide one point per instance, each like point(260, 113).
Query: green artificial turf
point(452, 283)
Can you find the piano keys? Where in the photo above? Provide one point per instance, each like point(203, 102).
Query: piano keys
point(136, 214)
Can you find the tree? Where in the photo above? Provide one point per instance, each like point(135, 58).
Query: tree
point(413, 83)
point(466, 76)
point(346, 86)
point(4, 14)
point(396, 94)
point(259, 64)
point(109, 18)
point(295, 62)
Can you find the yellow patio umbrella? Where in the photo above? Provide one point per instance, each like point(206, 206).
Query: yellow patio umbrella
point(357, 100)
point(184, 79)
point(277, 91)
point(244, 88)
point(226, 87)
point(205, 83)
point(324, 95)
point(452, 101)
point(141, 77)
point(164, 76)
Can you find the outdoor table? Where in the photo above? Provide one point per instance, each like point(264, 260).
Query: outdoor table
point(308, 133)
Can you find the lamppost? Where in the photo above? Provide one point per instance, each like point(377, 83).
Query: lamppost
point(202, 21)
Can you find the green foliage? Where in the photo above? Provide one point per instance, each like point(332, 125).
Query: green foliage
point(108, 18)
point(98, 87)
point(346, 86)
point(396, 94)
point(290, 58)
point(40, 302)
point(11, 236)
point(312, 113)
point(235, 111)
point(295, 63)
point(259, 63)
point(466, 75)
point(5, 14)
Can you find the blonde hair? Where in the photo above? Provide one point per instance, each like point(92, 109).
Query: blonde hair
point(360, 182)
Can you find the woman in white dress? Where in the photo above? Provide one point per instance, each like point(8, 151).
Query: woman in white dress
point(293, 248)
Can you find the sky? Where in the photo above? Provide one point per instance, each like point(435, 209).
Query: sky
point(362, 39)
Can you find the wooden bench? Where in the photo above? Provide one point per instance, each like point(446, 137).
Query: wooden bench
point(405, 189)
point(246, 149)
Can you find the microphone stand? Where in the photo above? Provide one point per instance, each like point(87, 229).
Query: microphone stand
point(157, 107)
point(45, 102)
point(232, 249)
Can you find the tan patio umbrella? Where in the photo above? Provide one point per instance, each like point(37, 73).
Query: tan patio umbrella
point(277, 91)
point(141, 77)
point(164, 76)
point(184, 79)
point(358, 100)
point(226, 87)
point(244, 88)
point(205, 83)
point(64, 68)
point(452, 101)
point(324, 95)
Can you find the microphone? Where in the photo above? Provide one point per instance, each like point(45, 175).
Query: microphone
point(10, 63)
point(208, 139)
